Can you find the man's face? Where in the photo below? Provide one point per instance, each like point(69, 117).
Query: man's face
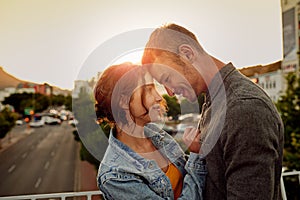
point(179, 80)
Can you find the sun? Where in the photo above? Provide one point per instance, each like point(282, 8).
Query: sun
point(133, 56)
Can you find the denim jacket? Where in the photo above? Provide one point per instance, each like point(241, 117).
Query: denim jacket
point(123, 174)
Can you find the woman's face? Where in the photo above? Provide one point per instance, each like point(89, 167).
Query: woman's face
point(146, 103)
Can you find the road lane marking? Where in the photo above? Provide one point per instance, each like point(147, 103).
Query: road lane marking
point(11, 168)
point(52, 153)
point(47, 165)
point(38, 182)
point(24, 155)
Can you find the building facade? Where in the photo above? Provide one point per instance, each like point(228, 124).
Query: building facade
point(291, 35)
point(269, 77)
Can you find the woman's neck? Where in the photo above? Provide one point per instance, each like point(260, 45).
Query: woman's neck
point(142, 145)
point(134, 137)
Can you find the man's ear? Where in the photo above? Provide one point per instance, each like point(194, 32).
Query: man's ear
point(124, 102)
point(187, 52)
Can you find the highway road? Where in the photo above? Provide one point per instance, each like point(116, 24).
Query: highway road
point(42, 162)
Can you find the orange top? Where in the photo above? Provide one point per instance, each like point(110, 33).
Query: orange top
point(176, 179)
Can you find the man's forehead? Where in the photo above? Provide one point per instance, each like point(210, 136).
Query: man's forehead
point(148, 78)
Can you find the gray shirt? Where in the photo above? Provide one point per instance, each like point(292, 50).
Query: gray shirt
point(243, 139)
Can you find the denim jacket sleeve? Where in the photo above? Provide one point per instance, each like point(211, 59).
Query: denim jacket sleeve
point(194, 180)
point(134, 187)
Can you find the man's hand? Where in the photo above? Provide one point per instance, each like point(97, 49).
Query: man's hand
point(191, 138)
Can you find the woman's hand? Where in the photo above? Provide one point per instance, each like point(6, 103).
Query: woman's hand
point(191, 138)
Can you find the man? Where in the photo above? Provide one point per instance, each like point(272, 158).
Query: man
point(241, 130)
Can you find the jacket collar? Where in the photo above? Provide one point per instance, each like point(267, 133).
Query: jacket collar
point(218, 82)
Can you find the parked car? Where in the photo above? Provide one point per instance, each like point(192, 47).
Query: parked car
point(169, 129)
point(19, 122)
point(38, 123)
point(181, 127)
point(73, 122)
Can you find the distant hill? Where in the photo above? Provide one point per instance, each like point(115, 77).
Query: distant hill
point(8, 80)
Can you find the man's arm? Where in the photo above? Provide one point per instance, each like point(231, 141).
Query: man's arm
point(250, 150)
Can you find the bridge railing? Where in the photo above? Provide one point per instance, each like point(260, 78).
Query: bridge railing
point(90, 194)
point(62, 196)
point(293, 173)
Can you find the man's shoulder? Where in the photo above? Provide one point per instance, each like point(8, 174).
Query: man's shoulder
point(240, 88)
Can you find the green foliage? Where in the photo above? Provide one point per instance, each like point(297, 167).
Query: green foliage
point(19, 101)
point(92, 138)
point(173, 106)
point(7, 121)
point(289, 108)
point(85, 155)
point(38, 102)
point(175, 109)
point(188, 107)
point(68, 102)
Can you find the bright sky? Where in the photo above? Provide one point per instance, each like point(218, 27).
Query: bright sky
point(50, 40)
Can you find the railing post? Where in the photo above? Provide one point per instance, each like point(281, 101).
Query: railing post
point(89, 197)
point(283, 194)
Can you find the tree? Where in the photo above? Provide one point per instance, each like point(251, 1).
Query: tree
point(39, 102)
point(19, 101)
point(185, 107)
point(188, 107)
point(7, 122)
point(93, 140)
point(289, 108)
point(173, 106)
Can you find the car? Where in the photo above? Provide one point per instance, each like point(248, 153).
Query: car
point(19, 122)
point(169, 129)
point(38, 123)
point(73, 122)
point(181, 127)
point(51, 120)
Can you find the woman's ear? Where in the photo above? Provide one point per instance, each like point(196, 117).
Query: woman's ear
point(124, 102)
point(187, 52)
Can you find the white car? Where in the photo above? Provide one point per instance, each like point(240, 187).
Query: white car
point(38, 123)
point(73, 122)
point(19, 122)
point(51, 120)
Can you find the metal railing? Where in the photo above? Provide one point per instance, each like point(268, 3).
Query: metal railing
point(90, 194)
point(294, 173)
point(62, 196)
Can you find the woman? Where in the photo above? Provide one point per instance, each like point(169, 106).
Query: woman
point(141, 161)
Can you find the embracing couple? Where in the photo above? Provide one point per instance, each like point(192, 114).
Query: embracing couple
point(235, 152)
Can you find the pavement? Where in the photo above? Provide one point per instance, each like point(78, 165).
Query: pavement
point(14, 136)
point(85, 173)
point(85, 177)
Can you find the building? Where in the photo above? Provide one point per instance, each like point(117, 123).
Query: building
point(291, 35)
point(272, 77)
point(44, 89)
point(80, 86)
point(269, 77)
